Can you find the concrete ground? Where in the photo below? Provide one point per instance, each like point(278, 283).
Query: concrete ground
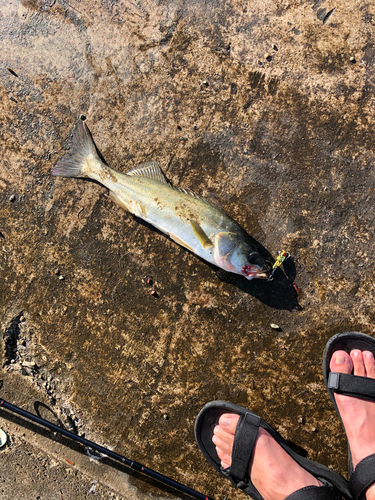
point(266, 108)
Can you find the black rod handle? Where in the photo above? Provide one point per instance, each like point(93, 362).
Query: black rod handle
point(105, 451)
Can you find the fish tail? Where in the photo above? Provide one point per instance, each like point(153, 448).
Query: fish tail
point(82, 152)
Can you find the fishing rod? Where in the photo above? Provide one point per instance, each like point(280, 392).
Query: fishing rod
point(105, 451)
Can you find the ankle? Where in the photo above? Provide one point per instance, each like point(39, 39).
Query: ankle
point(283, 476)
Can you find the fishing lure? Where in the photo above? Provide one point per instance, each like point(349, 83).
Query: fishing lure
point(281, 258)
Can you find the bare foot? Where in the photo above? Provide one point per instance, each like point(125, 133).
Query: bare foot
point(272, 471)
point(358, 415)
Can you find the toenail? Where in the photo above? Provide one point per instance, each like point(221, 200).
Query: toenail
point(214, 439)
point(216, 430)
point(355, 353)
point(225, 421)
point(369, 355)
point(340, 360)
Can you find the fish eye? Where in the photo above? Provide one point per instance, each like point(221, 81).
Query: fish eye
point(253, 258)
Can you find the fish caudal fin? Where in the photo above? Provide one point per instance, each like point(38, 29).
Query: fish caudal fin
point(82, 151)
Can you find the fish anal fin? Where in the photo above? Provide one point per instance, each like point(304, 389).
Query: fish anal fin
point(180, 242)
point(150, 170)
point(116, 199)
point(203, 239)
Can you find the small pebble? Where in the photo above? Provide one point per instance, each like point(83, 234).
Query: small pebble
point(22, 318)
point(56, 271)
point(267, 56)
point(28, 364)
point(274, 326)
point(12, 197)
point(352, 60)
point(313, 429)
point(165, 416)
point(301, 420)
point(61, 277)
point(153, 293)
point(275, 47)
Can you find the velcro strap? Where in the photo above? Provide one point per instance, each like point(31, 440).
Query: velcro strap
point(244, 439)
point(352, 385)
point(314, 493)
point(363, 476)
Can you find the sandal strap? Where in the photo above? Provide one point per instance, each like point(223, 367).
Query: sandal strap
point(352, 385)
point(244, 440)
point(315, 493)
point(363, 476)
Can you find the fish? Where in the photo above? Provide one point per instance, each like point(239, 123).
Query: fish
point(186, 217)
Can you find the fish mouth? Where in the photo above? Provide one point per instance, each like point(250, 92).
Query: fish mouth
point(251, 273)
point(262, 275)
point(258, 275)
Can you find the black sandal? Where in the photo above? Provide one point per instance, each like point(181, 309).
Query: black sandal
point(352, 385)
point(335, 487)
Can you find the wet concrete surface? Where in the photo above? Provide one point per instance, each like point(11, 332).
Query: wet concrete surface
point(265, 109)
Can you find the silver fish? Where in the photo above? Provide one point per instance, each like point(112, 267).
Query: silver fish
point(190, 220)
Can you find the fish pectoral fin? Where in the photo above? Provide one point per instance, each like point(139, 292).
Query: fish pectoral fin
point(116, 199)
point(150, 170)
point(180, 242)
point(203, 239)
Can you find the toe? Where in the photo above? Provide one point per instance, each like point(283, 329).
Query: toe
point(223, 450)
point(228, 422)
point(221, 433)
point(223, 438)
point(358, 363)
point(226, 459)
point(341, 362)
point(369, 361)
point(223, 444)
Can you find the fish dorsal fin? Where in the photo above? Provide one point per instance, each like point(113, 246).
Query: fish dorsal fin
point(150, 170)
point(202, 237)
point(191, 193)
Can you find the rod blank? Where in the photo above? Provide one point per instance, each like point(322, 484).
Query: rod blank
point(105, 451)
